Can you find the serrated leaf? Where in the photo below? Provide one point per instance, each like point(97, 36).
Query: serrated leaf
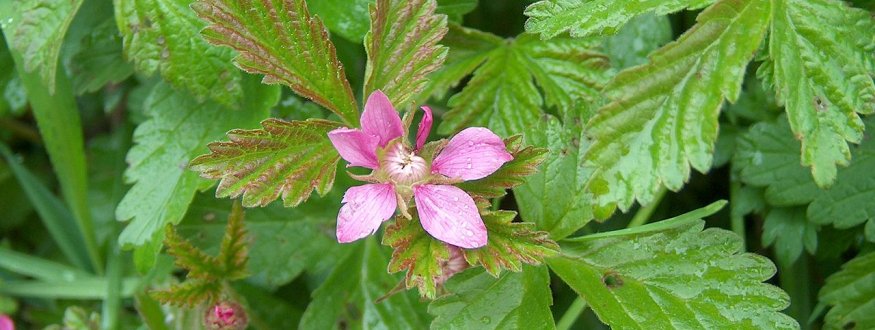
point(100, 59)
point(672, 274)
point(303, 237)
point(282, 159)
point(416, 253)
point(468, 48)
point(582, 18)
point(820, 54)
point(502, 93)
point(477, 300)
point(234, 250)
point(36, 29)
point(189, 294)
point(285, 43)
point(789, 230)
point(662, 117)
point(637, 39)
point(178, 129)
point(767, 158)
point(554, 198)
point(198, 264)
point(511, 244)
point(851, 293)
point(526, 160)
point(347, 297)
point(402, 48)
point(162, 36)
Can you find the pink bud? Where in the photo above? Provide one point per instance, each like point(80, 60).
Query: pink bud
point(6, 323)
point(224, 315)
point(455, 264)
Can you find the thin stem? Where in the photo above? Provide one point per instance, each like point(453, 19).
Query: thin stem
point(577, 307)
point(645, 212)
point(736, 219)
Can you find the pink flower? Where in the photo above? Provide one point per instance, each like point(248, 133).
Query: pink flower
point(400, 174)
point(225, 315)
point(6, 323)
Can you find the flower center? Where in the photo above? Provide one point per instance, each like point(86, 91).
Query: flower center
point(403, 166)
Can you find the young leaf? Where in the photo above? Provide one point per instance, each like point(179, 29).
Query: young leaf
point(282, 41)
point(850, 292)
point(190, 293)
point(234, 251)
point(502, 94)
point(662, 117)
point(587, 17)
point(511, 244)
point(671, 274)
point(178, 129)
point(526, 160)
point(346, 298)
point(417, 253)
point(790, 231)
point(820, 59)
point(554, 198)
point(477, 300)
point(402, 48)
point(288, 159)
point(198, 264)
point(35, 30)
point(162, 35)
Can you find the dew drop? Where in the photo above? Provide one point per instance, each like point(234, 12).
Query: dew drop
point(455, 199)
point(486, 320)
point(469, 233)
point(470, 143)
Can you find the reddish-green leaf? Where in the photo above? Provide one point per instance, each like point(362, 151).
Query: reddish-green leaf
point(511, 244)
point(403, 47)
point(288, 159)
point(417, 253)
point(190, 294)
point(199, 264)
point(526, 160)
point(284, 42)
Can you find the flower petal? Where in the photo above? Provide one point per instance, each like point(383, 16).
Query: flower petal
point(381, 119)
point(424, 128)
point(472, 154)
point(356, 147)
point(450, 215)
point(364, 209)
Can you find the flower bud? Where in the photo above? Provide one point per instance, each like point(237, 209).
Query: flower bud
point(225, 315)
point(6, 323)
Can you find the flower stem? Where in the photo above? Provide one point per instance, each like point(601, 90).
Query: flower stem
point(646, 211)
point(577, 307)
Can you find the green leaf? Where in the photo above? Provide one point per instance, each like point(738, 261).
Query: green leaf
point(662, 117)
point(288, 159)
point(282, 41)
point(526, 160)
point(100, 60)
point(820, 60)
point(35, 30)
point(790, 231)
point(767, 158)
point(347, 297)
point(468, 48)
point(402, 48)
point(92, 288)
point(671, 274)
point(502, 94)
point(234, 251)
point(57, 117)
point(303, 237)
point(198, 264)
point(479, 301)
point(851, 293)
point(162, 35)
point(416, 253)
point(178, 129)
point(587, 17)
point(511, 244)
point(554, 198)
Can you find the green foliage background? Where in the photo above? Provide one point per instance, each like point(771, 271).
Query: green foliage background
point(128, 132)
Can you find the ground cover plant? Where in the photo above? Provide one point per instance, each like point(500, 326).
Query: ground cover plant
point(446, 164)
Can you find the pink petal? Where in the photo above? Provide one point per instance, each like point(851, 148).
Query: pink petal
point(450, 215)
point(356, 147)
point(472, 154)
point(6, 323)
point(424, 128)
point(364, 209)
point(381, 119)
